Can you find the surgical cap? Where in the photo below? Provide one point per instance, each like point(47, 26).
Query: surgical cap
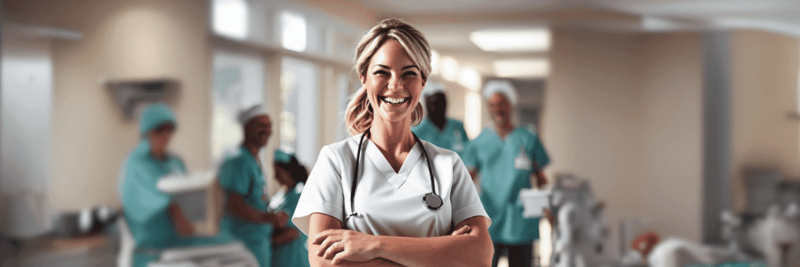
point(282, 157)
point(248, 114)
point(501, 86)
point(155, 115)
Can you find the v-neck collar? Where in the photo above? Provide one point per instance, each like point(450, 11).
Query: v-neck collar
point(395, 178)
point(493, 128)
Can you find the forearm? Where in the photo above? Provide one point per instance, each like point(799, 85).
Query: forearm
point(239, 208)
point(317, 261)
point(461, 250)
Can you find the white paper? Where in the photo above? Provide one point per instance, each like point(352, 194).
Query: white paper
point(179, 183)
point(534, 201)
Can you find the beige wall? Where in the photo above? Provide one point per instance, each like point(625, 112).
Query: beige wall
point(624, 112)
point(670, 125)
point(765, 76)
point(590, 114)
point(121, 40)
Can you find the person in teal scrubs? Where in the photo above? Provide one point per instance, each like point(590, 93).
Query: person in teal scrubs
point(506, 156)
point(436, 128)
point(246, 216)
point(154, 220)
point(289, 246)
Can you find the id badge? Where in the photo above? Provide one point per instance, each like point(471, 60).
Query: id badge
point(522, 162)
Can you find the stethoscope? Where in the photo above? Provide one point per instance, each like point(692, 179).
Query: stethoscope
point(431, 200)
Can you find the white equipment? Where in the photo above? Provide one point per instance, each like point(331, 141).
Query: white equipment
point(200, 199)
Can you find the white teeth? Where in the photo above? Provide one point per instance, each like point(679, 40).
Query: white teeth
point(393, 100)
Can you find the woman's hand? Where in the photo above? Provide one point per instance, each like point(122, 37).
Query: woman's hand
point(464, 230)
point(345, 245)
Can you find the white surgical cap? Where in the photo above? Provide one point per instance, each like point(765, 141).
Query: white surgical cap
point(248, 114)
point(500, 86)
point(432, 88)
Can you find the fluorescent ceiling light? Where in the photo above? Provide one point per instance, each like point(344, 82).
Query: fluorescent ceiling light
point(293, 31)
point(449, 68)
point(469, 78)
point(230, 18)
point(511, 40)
point(527, 68)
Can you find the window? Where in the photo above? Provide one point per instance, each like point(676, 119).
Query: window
point(299, 119)
point(238, 83)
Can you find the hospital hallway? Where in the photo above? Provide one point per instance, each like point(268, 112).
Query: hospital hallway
point(663, 132)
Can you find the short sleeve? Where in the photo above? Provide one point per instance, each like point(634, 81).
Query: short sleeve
point(232, 178)
point(464, 196)
point(322, 192)
point(539, 153)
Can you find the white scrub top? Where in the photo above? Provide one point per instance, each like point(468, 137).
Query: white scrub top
point(389, 203)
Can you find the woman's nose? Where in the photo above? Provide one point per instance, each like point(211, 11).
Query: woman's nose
point(395, 83)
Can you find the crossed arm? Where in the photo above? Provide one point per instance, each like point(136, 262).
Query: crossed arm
point(329, 245)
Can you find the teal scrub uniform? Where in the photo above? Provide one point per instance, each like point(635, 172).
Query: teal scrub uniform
point(241, 174)
point(295, 253)
point(452, 137)
point(506, 167)
point(144, 206)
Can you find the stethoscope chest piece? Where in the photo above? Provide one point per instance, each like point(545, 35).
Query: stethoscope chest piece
point(432, 201)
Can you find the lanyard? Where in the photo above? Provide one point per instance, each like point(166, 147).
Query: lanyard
point(431, 200)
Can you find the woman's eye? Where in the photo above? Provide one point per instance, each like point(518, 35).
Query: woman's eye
point(410, 73)
point(380, 72)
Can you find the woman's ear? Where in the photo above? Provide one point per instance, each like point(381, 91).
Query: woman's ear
point(362, 78)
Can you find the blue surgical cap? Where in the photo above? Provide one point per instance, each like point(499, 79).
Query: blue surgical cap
point(155, 115)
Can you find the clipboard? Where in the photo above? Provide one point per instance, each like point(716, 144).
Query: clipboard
point(534, 202)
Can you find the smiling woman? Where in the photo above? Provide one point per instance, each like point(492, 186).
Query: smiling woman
point(383, 197)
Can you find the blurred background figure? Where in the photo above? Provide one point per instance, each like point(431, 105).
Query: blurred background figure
point(436, 127)
point(246, 216)
point(153, 219)
point(507, 155)
point(289, 248)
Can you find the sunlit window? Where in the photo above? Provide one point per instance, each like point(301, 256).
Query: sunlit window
point(293, 31)
point(238, 83)
point(230, 18)
point(472, 114)
point(449, 68)
point(469, 78)
point(300, 115)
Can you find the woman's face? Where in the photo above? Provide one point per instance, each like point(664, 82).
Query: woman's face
point(159, 138)
point(393, 83)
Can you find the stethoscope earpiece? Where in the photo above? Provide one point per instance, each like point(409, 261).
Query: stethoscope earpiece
point(431, 200)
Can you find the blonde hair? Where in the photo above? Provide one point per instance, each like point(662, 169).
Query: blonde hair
point(359, 113)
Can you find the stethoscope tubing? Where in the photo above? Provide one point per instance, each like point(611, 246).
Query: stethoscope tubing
point(354, 183)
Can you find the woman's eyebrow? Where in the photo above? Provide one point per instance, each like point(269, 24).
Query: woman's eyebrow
point(387, 67)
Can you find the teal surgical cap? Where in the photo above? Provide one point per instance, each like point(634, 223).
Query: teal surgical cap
point(283, 157)
point(155, 115)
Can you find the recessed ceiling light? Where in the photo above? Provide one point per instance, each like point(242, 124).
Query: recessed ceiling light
point(230, 18)
point(512, 40)
point(524, 68)
point(293, 31)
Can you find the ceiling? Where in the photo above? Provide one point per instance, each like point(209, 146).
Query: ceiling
point(447, 24)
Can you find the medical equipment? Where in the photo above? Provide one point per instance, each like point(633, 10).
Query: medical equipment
point(581, 229)
point(198, 197)
point(431, 200)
